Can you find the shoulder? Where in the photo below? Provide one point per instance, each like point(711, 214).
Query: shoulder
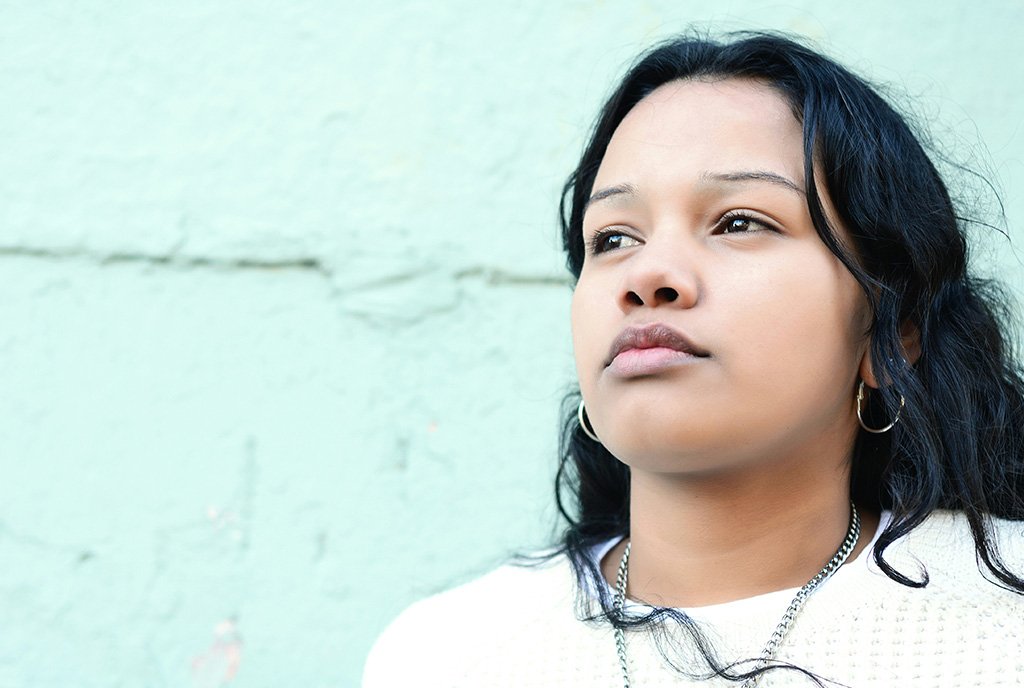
point(949, 533)
point(438, 638)
point(944, 547)
point(961, 629)
point(501, 591)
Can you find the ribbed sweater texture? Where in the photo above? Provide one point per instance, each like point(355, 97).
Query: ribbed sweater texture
point(519, 626)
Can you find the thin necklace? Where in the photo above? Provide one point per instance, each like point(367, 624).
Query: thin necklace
point(772, 646)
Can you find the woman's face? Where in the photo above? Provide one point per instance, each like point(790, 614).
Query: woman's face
point(741, 333)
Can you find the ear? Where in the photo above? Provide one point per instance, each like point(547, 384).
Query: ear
point(910, 342)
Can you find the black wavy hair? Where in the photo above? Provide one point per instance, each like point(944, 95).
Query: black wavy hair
point(960, 438)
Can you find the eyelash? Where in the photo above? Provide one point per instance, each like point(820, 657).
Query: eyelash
point(742, 215)
point(595, 242)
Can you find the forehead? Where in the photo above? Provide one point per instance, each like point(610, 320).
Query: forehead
point(703, 125)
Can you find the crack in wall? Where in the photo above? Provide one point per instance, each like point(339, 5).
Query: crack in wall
point(169, 260)
point(488, 275)
point(499, 277)
point(79, 553)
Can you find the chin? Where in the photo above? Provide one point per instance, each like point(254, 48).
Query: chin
point(655, 451)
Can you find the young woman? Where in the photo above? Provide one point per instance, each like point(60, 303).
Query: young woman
point(797, 459)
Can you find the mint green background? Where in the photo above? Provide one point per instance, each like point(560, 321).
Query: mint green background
point(284, 321)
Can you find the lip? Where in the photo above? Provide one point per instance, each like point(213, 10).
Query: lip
point(649, 349)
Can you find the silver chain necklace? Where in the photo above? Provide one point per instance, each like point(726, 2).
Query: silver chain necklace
point(772, 646)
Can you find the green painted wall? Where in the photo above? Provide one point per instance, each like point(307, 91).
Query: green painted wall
point(284, 327)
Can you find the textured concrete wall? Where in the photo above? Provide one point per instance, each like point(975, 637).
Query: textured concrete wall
point(284, 327)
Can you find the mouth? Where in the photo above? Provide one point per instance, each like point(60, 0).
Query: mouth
point(647, 349)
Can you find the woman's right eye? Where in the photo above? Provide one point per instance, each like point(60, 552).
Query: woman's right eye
point(611, 239)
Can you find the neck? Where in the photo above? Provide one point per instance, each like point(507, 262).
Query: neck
point(706, 540)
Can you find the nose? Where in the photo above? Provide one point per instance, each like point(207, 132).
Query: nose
point(661, 277)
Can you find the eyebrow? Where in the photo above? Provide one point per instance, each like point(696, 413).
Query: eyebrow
point(738, 176)
point(609, 192)
point(754, 176)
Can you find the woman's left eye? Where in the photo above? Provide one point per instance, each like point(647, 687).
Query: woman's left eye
point(739, 224)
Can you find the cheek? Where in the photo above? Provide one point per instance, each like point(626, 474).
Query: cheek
point(799, 334)
point(586, 334)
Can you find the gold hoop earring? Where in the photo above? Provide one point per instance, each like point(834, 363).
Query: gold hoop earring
point(583, 423)
point(877, 431)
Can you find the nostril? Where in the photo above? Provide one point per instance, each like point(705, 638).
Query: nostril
point(634, 298)
point(666, 294)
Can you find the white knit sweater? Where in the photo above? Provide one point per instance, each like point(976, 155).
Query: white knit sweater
point(517, 626)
